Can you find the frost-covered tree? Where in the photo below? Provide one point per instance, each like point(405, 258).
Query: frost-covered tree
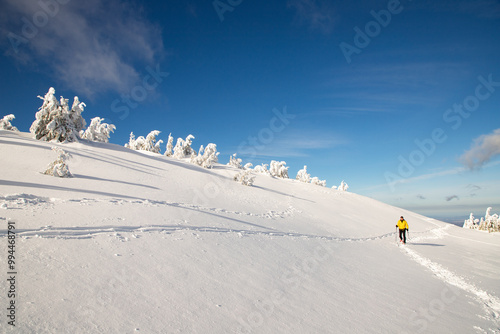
point(59, 167)
point(343, 186)
point(248, 166)
point(5, 123)
point(489, 222)
point(278, 169)
point(56, 121)
point(170, 145)
point(206, 157)
point(245, 177)
point(98, 131)
point(149, 143)
point(132, 142)
point(303, 176)
point(183, 148)
point(315, 180)
point(235, 162)
point(262, 169)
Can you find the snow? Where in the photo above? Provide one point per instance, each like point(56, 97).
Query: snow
point(137, 242)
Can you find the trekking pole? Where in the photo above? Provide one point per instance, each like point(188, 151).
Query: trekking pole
point(396, 235)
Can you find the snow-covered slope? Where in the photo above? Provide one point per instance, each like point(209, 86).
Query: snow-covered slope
point(138, 242)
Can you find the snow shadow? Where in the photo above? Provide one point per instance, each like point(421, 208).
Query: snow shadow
point(424, 244)
point(80, 176)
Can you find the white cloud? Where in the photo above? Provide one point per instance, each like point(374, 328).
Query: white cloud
point(317, 14)
point(88, 46)
point(482, 150)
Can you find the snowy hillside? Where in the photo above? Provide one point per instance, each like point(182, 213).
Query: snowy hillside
point(141, 243)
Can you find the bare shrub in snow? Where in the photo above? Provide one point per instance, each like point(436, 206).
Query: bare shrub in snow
point(489, 222)
point(59, 167)
point(56, 121)
point(245, 177)
point(206, 157)
point(5, 123)
point(98, 131)
point(278, 169)
point(302, 175)
point(170, 145)
point(149, 143)
point(183, 148)
point(235, 162)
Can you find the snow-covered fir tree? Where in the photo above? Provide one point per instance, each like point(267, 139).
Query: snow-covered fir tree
point(170, 145)
point(343, 186)
point(206, 157)
point(489, 222)
point(245, 177)
point(262, 169)
point(59, 167)
point(248, 165)
point(149, 143)
point(278, 169)
point(97, 131)
point(303, 176)
point(235, 162)
point(183, 148)
point(56, 121)
point(5, 123)
point(315, 180)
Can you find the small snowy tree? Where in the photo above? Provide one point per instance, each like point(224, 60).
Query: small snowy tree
point(235, 162)
point(343, 186)
point(170, 145)
point(262, 169)
point(97, 131)
point(206, 157)
point(248, 166)
point(5, 123)
point(56, 121)
point(315, 180)
point(132, 142)
point(278, 169)
point(489, 222)
point(149, 143)
point(245, 177)
point(210, 157)
point(302, 175)
point(183, 148)
point(59, 167)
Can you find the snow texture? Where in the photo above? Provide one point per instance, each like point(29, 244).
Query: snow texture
point(149, 244)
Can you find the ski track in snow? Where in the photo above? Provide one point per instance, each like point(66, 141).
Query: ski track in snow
point(89, 232)
point(20, 201)
point(490, 303)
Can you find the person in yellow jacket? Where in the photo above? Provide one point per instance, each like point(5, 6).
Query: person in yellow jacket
point(403, 227)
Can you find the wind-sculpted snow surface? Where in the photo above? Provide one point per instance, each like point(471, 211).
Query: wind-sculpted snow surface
point(140, 242)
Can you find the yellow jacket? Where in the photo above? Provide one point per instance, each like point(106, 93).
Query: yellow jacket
point(402, 224)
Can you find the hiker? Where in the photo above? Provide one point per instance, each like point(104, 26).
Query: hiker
point(403, 227)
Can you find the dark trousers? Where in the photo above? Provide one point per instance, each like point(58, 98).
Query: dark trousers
point(402, 235)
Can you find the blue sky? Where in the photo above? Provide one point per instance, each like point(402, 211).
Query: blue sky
point(346, 88)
